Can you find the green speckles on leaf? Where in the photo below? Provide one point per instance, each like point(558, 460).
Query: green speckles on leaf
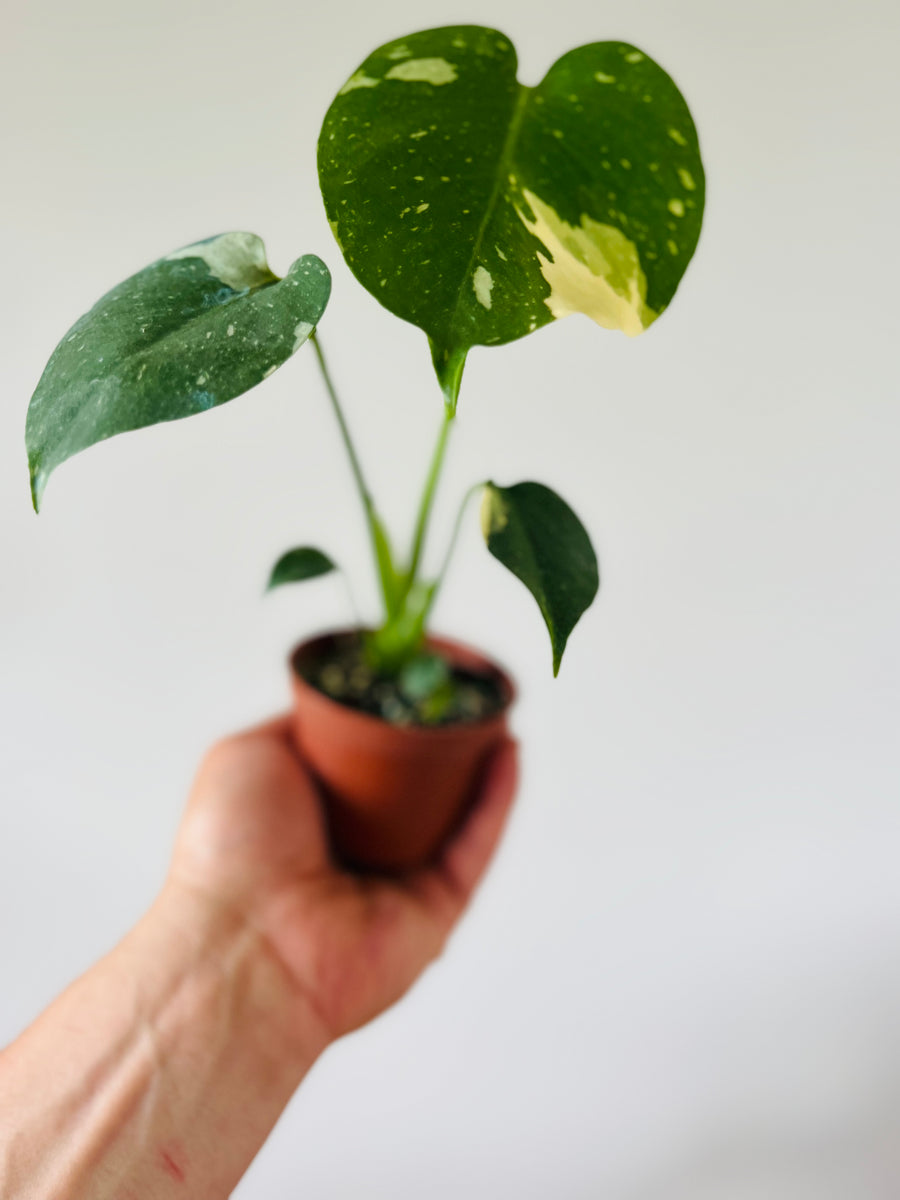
point(189, 332)
point(436, 71)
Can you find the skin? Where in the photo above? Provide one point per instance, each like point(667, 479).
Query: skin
point(161, 1071)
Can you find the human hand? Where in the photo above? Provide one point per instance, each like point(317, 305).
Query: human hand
point(165, 1066)
point(253, 841)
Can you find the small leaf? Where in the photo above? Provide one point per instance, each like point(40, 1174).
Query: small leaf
point(480, 209)
point(303, 562)
point(534, 533)
point(422, 676)
point(186, 334)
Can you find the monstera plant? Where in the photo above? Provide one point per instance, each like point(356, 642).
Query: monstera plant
point(476, 208)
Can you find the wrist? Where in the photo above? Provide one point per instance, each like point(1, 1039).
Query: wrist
point(220, 956)
point(168, 1063)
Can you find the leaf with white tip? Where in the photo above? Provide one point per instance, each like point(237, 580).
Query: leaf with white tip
point(186, 334)
point(299, 564)
point(534, 533)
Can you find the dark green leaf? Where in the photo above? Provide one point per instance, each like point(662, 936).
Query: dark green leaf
point(534, 533)
point(189, 332)
point(303, 562)
point(480, 209)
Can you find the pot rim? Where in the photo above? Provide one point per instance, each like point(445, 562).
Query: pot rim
point(450, 645)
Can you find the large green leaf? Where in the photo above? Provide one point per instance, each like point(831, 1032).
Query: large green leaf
point(534, 533)
point(479, 209)
point(189, 332)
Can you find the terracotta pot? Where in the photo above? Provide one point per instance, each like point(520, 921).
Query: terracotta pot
point(393, 793)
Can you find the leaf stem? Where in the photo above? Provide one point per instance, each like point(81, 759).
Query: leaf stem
point(451, 546)
point(427, 501)
point(456, 528)
point(364, 492)
point(383, 563)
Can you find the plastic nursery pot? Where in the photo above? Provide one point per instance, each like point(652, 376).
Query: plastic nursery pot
point(393, 793)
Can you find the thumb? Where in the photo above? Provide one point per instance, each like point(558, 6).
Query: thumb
point(447, 885)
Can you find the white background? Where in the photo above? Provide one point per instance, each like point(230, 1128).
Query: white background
point(681, 980)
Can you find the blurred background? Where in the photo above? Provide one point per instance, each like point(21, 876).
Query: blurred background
point(681, 980)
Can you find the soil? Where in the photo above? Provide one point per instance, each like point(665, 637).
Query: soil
point(430, 691)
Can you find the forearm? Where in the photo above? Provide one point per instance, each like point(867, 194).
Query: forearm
point(162, 1070)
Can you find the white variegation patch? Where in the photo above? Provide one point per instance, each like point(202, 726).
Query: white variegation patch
point(358, 80)
point(237, 259)
point(493, 514)
point(591, 268)
point(436, 71)
point(482, 282)
point(301, 333)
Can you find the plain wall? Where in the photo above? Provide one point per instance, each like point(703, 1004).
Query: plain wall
point(681, 980)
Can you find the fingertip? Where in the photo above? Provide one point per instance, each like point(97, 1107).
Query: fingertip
point(277, 731)
point(466, 857)
point(279, 728)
